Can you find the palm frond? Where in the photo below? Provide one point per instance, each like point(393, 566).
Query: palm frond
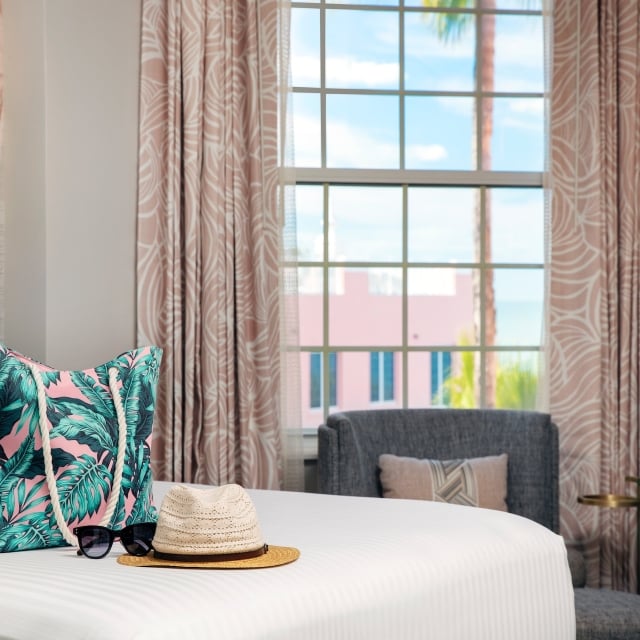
point(448, 25)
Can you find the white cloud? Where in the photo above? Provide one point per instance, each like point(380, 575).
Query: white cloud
point(347, 71)
point(459, 106)
point(418, 153)
point(305, 70)
point(523, 114)
point(344, 71)
point(306, 142)
point(521, 83)
point(421, 42)
point(349, 147)
point(511, 215)
point(526, 106)
point(522, 46)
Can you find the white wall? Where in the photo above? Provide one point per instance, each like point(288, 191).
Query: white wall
point(71, 107)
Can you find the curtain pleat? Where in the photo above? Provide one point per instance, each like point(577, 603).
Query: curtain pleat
point(593, 353)
point(210, 228)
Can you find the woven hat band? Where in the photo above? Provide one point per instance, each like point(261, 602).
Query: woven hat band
point(218, 557)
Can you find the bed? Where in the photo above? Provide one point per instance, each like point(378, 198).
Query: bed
point(368, 568)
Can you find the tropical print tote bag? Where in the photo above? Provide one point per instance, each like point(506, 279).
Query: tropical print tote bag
point(74, 447)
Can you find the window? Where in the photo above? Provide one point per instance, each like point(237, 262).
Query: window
point(440, 375)
point(419, 157)
point(382, 377)
point(317, 382)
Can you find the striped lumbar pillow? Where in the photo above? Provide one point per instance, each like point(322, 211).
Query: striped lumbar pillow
point(478, 482)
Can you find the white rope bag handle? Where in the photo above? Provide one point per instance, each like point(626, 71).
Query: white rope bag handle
point(48, 464)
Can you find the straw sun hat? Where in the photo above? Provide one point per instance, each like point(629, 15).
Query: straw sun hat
point(212, 528)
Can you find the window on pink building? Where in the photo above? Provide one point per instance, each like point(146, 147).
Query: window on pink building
point(317, 380)
point(382, 371)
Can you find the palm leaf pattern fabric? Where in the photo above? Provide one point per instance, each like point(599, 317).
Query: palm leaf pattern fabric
point(83, 429)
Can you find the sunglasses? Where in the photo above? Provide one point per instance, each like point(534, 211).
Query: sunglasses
point(96, 541)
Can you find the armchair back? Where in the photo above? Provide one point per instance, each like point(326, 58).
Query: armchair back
point(350, 443)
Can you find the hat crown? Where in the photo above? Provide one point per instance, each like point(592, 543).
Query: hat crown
point(217, 520)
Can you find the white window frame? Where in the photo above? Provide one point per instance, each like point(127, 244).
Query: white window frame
point(405, 179)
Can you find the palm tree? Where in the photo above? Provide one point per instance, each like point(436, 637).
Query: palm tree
point(517, 386)
point(450, 25)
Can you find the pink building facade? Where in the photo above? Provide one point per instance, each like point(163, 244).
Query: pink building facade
point(365, 314)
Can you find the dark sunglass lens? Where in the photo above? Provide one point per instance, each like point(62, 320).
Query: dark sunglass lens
point(137, 538)
point(95, 542)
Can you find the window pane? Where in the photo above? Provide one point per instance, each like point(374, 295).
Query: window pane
point(434, 62)
point(315, 378)
point(439, 133)
point(440, 307)
point(366, 308)
point(316, 383)
point(375, 377)
point(461, 385)
point(361, 49)
point(305, 47)
point(355, 391)
point(333, 379)
point(518, 134)
point(354, 383)
point(310, 281)
point(519, 306)
point(362, 131)
point(418, 379)
point(517, 380)
point(440, 224)
point(371, 213)
point(519, 54)
point(457, 390)
point(309, 219)
point(513, 210)
point(389, 376)
point(382, 375)
point(306, 128)
point(310, 305)
point(440, 374)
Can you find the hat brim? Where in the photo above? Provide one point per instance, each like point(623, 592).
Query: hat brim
point(274, 557)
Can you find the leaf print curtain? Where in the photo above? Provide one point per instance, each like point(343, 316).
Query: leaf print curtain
point(594, 350)
point(211, 240)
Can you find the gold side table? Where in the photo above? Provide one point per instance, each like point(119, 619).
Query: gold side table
point(612, 500)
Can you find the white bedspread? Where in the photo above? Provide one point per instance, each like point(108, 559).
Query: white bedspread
point(369, 568)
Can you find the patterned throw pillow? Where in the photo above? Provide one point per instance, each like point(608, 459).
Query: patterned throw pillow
point(85, 431)
point(478, 482)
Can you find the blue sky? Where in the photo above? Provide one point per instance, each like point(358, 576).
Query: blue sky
point(363, 132)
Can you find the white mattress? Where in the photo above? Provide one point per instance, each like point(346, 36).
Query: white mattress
point(369, 568)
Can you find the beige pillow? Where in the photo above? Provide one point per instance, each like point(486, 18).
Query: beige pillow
point(479, 482)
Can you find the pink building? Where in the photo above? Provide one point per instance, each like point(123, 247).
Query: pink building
point(365, 315)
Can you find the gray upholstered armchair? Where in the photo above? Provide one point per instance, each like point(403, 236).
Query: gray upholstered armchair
point(350, 443)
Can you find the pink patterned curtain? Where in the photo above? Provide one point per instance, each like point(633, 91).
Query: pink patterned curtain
point(594, 350)
point(210, 224)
